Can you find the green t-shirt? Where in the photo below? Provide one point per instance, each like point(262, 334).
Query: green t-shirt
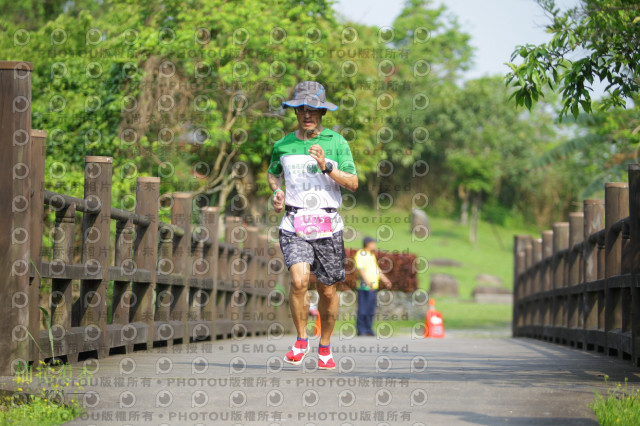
point(307, 186)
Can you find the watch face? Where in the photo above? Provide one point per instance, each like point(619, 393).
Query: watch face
point(329, 167)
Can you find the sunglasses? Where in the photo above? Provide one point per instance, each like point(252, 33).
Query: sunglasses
point(302, 109)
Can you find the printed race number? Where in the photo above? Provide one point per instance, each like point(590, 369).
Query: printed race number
point(312, 226)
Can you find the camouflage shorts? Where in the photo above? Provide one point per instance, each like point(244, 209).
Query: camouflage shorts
point(325, 255)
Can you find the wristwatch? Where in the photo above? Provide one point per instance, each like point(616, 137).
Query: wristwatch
point(328, 168)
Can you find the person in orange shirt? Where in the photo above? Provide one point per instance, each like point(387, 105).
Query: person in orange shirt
point(370, 275)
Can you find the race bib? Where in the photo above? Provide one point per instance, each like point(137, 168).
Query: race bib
point(312, 224)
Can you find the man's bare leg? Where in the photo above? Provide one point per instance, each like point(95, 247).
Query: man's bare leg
point(328, 309)
point(299, 297)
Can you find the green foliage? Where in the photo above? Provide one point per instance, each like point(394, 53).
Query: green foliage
point(621, 406)
point(597, 38)
point(37, 398)
point(438, 51)
point(103, 72)
point(33, 13)
point(39, 411)
point(605, 142)
point(476, 170)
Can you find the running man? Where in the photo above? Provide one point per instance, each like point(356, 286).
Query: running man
point(315, 162)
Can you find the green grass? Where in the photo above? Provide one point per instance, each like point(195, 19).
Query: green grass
point(621, 406)
point(37, 396)
point(457, 315)
point(465, 314)
point(492, 255)
point(36, 410)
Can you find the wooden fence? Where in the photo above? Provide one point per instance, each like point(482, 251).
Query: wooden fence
point(166, 282)
point(580, 283)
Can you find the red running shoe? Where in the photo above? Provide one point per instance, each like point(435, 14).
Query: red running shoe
point(297, 352)
point(325, 359)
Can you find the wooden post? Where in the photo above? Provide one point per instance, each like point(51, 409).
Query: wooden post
point(536, 287)
point(263, 283)
point(547, 274)
point(146, 253)
point(35, 172)
point(634, 235)
point(166, 267)
point(121, 299)
point(560, 242)
point(573, 317)
point(616, 204)
point(236, 235)
point(528, 264)
point(15, 216)
point(195, 307)
point(123, 260)
point(95, 254)
point(519, 242)
point(210, 216)
point(278, 268)
point(61, 288)
point(593, 222)
point(537, 259)
point(249, 286)
point(601, 261)
point(181, 217)
point(547, 252)
point(576, 236)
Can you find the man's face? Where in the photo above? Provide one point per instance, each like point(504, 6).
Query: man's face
point(309, 118)
point(370, 246)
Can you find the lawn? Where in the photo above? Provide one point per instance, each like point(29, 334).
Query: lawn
point(621, 406)
point(448, 239)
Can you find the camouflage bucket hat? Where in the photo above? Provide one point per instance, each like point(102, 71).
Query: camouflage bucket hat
point(310, 93)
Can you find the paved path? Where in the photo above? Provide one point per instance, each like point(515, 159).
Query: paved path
point(398, 381)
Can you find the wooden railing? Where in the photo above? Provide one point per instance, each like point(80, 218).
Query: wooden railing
point(166, 283)
point(580, 283)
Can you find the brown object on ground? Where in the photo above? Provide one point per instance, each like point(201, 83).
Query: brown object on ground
point(443, 262)
point(489, 279)
point(443, 285)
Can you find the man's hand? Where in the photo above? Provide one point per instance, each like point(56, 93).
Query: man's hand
point(278, 201)
point(317, 153)
point(385, 280)
point(344, 179)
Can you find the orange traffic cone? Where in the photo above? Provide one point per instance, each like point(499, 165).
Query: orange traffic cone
point(433, 322)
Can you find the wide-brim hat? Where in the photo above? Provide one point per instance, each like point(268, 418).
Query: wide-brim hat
point(310, 93)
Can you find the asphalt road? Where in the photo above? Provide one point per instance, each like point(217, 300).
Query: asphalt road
point(462, 379)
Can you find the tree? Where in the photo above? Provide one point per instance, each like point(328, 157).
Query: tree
point(477, 173)
point(487, 147)
point(436, 52)
point(31, 14)
point(595, 39)
point(177, 91)
point(606, 141)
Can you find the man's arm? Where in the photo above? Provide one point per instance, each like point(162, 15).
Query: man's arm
point(278, 197)
point(384, 279)
point(274, 181)
point(342, 178)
